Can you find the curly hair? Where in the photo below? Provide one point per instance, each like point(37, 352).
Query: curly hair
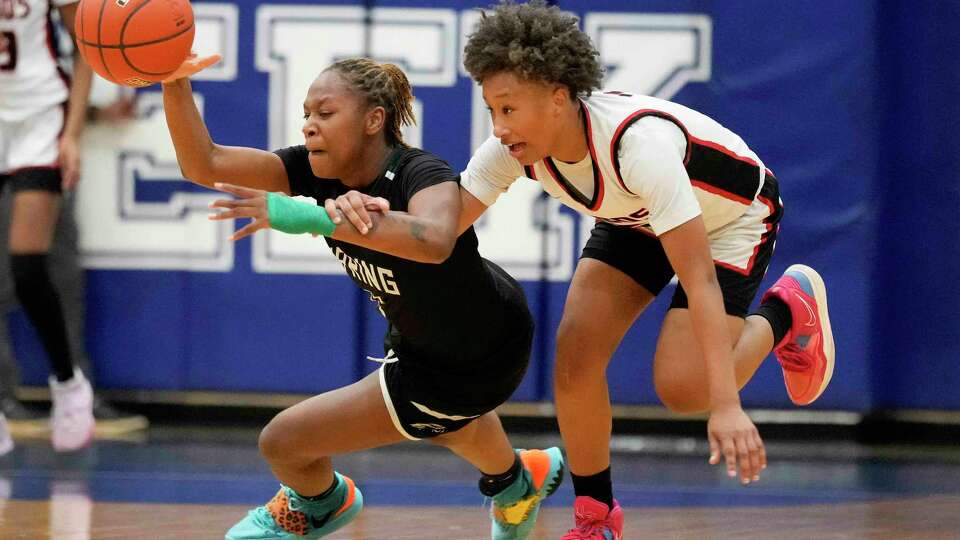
point(537, 42)
point(383, 85)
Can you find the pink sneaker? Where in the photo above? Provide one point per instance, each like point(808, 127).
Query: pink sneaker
point(71, 419)
point(595, 521)
point(806, 352)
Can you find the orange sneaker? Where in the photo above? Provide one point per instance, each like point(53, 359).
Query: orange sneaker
point(515, 509)
point(806, 353)
point(288, 516)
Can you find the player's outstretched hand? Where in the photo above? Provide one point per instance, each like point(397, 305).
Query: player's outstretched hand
point(191, 66)
point(734, 438)
point(250, 203)
point(356, 207)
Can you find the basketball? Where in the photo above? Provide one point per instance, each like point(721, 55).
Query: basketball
point(134, 42)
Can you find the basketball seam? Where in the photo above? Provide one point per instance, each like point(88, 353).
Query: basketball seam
point(138, 44)
point(103, 58)
point(123, 30)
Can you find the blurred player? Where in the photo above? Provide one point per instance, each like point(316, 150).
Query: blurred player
point(41, 118)
point(459, 334)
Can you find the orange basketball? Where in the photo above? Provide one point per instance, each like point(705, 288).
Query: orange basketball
point(134, 42)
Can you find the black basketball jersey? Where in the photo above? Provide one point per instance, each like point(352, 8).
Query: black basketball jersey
point(460, 310)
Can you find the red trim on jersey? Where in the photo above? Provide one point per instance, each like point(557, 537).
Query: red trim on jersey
point(627, 122)
point(597, 171)
point(52, 46)
point(717, 191)
point(725, 150)
point(597, 200)
point(756, 249)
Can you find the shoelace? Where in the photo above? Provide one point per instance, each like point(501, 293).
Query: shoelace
point(586, 529)
point(793, 358)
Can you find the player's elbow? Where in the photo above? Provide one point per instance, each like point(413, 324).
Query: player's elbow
point(199, 169)
point(442, 246)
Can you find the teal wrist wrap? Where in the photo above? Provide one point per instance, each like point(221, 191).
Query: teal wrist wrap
point(297, 217)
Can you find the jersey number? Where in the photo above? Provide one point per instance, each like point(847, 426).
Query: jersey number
point(8, 51)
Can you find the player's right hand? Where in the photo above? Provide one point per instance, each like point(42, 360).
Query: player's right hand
point(735, 438)
point(356, 207)
point(191, 66)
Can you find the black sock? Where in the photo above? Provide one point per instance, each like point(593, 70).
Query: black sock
point(329, 491)
point(492, 484)
point(41, 302)
point(777, 313)
point(597, 486)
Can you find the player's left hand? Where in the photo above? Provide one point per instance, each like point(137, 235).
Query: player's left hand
point(732, 434)
point(191, 66)
point(250, 203)
point(69, 162)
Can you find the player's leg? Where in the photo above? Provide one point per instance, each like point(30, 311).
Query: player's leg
point(742, 253)
point(517, 480)
point(601, 306)
point(804, 344)
point(619, 275)
point(680, 375)
point(314, 500)
point(35, 182)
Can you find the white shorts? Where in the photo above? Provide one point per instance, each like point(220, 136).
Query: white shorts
point(33, 142)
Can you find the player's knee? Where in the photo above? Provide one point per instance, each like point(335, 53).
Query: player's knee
point(681, 398)
point(276, 442)
point(573, 371)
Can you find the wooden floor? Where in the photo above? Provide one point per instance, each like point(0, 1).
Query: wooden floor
point(195, 483)
point(929, 518)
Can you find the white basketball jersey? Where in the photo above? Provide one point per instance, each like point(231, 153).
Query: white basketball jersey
point(724, 174)
point(30, 79)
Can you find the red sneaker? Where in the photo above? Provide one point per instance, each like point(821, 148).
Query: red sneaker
point(595, 521)
point(806, 352)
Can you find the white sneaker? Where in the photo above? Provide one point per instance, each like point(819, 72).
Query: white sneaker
point(71, 419)
point(6, 442)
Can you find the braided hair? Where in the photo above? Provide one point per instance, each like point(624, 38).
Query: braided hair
point(383, 85)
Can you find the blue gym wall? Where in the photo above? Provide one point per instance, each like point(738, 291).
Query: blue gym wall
point(852, 104)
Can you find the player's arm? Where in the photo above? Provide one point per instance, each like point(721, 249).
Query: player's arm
point(426, 232)
point(490, 173)
point(653, 168)
point(77, 106)
point(203, 161)
point(471, 208)
point(688, 250)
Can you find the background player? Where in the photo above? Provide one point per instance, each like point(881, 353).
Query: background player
point(459, 333)
point(41, 118)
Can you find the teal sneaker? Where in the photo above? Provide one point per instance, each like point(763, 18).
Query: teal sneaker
point(290, 516)
point(515, 509)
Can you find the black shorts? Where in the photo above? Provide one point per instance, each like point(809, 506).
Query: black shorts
point(741, 253)
point(425, 401)
point(33, 179)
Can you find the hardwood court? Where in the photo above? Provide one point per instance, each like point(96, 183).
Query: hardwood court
point(927, 518)
point(179, 483)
